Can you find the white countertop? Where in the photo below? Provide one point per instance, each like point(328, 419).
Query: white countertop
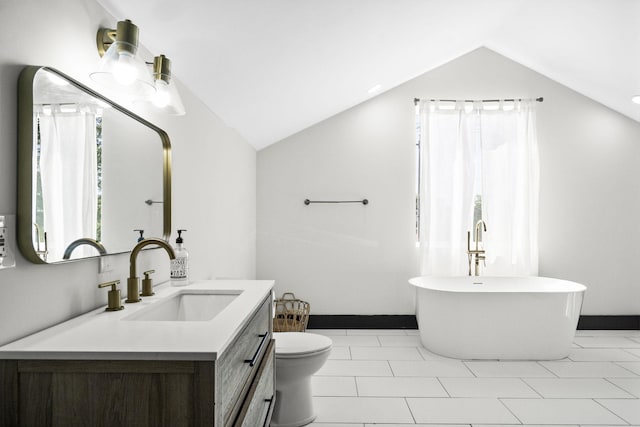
point(102, 335)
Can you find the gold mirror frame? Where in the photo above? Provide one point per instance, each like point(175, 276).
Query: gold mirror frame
point(25, 227)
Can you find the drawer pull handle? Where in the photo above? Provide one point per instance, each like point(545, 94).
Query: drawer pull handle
point(254, 359)
point(268, 416)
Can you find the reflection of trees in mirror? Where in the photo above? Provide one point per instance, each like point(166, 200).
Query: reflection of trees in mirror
point(99, 177)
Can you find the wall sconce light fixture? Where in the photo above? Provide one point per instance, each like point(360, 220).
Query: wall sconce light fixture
point(120, 68)
point(123, 71)
point(166, 96)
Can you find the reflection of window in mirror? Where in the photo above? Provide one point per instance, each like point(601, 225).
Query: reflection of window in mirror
point(73, 189)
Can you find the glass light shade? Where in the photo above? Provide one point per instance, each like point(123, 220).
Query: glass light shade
point(122, 71)
point(167, 98)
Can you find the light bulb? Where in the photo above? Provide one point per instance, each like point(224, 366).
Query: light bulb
point(124, 70)
point(162, 96)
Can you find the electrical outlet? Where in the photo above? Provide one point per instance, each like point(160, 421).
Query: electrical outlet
point(3, 238)
point(7, 241)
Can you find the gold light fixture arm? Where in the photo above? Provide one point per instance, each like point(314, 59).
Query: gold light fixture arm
point(126, 32)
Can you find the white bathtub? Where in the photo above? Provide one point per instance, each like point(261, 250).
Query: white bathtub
point(527, 318)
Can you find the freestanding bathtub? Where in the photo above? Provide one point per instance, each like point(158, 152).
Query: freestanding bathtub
point(481, 317)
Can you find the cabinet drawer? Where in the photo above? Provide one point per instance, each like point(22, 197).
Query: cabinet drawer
point(258, 406)
point(239, 363)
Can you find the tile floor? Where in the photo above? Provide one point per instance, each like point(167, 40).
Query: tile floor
point(385, 378)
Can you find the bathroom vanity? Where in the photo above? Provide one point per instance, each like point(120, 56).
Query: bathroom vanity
point(200, 355)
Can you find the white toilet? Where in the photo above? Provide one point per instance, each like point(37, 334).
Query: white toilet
point(298, 356)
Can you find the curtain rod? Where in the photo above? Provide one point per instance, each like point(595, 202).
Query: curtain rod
point(417, 100)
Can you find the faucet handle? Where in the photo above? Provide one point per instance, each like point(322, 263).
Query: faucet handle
point(147, 284)
point(113, 296)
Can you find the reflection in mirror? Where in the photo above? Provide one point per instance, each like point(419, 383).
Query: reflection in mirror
point(86, 171)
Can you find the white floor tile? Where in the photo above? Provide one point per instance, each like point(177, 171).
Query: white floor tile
point(628, 410)
point(333, 386)
point(631, 385)
point(400, 387)
point(314, 424)
point(424, 425)
point(561, 411)
point(427, 355)
point(355, 368)
point(606, 342)
point(460, 410)
point(587, 388)
point(328, 332)
point(631, 366)
point(597, 386)
point(355, 340)
point(362, 410)
point(340, 353)
point(487, 387)
point(375, 332)
point(400, 341)
point(587, 369)
point(385, 353)
point(499, 369)
point(530, 425)
point(602, 355)
point(430, 368)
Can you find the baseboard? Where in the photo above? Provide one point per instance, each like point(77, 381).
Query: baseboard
point(354, 321)
point(609, 322)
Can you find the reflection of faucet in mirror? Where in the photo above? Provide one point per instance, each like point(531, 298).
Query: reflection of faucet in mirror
point(84, 241)
point(478, 253)
point(133, 282)
point(41, 253)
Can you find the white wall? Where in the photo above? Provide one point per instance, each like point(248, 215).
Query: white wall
point(213, 174)
point(350, 259)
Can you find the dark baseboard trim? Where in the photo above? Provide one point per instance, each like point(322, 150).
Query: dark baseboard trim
point(408, 321)
point(354, 321)
point(609, 322)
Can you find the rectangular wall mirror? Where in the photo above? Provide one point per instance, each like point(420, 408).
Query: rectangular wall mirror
point(90, 172)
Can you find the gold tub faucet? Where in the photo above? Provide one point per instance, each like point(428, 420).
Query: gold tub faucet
point(477, 253)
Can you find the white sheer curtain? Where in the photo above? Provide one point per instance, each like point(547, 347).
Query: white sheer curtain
point(69, 188)
point(475, 148)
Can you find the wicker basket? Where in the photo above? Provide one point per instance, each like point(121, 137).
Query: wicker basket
point(291, 314)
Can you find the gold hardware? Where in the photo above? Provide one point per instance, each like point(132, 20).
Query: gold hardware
point(125, 32)
point(147, 284)
point(478, 253)
point(162, 68)
point(113, 296)
point(133, 282)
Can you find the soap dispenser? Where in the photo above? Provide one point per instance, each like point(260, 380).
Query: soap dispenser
point(141, 234)
point(180, 265)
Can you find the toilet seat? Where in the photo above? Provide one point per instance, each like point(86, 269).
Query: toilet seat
point(299, 344)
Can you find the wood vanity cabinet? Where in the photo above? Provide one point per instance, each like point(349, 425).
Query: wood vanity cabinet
point(236, 390)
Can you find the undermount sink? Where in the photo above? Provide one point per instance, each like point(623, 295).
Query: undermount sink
point(186, 306)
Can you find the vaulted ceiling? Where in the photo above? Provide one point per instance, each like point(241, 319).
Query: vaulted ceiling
point(270, 68)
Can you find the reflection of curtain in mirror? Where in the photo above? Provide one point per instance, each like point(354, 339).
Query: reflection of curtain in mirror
point(71, 189)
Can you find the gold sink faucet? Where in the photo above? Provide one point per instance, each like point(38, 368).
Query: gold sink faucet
point(477, 253)
point(133, 282)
